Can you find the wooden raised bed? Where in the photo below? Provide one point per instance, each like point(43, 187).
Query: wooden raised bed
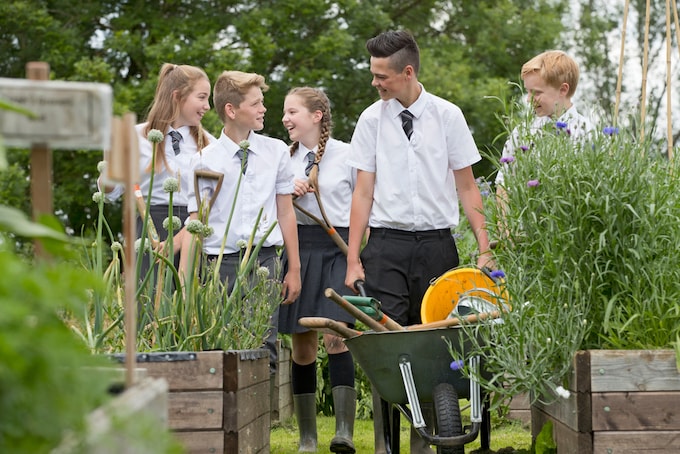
point(282, 390)
point(622, 401)
point(219, 401)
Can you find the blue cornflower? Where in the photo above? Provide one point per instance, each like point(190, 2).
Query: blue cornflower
point(611, 130)
point(457, 365)
point(496, 274)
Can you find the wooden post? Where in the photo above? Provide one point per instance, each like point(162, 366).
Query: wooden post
point(131, 158)
point(41, 162)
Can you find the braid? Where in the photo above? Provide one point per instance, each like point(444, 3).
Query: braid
point(323, 139)
point(315, 99)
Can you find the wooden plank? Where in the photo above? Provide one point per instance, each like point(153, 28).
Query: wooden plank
point(285, 402)
point(658, 442)
point(520, 402)
point(196, 410)
point(636, 411)
point(251, 439)
point(147, 399)
point(246, 405)
point(568, 440)
point(580, 380)
point(204, 372)
point(634, 370)
point(244, 368)
point(202, 442)
point(574, 412)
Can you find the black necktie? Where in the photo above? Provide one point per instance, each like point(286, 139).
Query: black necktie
point(243, 157)
point(310, 162)
point(407, 122)
point(176, 138)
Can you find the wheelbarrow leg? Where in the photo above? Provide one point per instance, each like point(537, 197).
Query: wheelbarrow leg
point(391, 427)
point(384, 418)
point(485, 430)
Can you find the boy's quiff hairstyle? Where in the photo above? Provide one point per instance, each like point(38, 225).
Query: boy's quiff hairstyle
point(555, 68)
point(231, 88)
point(400, 46)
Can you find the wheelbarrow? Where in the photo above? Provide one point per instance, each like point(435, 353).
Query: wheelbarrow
point(412, 365)
point(408, 368)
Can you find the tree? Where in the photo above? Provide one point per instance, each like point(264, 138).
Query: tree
point(470, 50)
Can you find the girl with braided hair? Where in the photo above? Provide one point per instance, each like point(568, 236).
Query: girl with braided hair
point(319, 164)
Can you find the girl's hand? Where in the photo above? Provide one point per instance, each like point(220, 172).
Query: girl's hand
point(302, 187)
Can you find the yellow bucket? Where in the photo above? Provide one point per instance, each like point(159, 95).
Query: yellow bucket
point(444, 293)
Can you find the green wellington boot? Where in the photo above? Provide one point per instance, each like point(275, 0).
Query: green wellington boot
point(305, 413)
point(345, 403)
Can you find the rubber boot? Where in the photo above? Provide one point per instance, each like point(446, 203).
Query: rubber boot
point(345, 403)
point(378, 430)
point(305, 413)
point(417, 444)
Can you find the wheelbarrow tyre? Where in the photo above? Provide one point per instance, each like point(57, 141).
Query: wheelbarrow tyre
point(447, 412)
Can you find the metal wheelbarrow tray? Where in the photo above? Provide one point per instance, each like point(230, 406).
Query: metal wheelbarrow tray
point(410, 367)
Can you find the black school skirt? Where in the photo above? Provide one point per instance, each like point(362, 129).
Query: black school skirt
point(323, 265)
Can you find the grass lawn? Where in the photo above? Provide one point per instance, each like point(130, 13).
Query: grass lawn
point(507, 437)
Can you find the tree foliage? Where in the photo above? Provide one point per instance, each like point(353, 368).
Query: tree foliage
point(470, 50)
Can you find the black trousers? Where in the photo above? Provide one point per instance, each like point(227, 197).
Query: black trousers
point(400, 265)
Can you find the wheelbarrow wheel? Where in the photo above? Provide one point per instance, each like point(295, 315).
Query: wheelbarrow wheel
point(447, 411)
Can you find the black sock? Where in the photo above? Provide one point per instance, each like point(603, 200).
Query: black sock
point(304, 378)
point(341, 369)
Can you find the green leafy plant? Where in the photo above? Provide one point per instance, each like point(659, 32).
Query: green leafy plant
point(587, 234)
point(199, 313)
point(49, 382)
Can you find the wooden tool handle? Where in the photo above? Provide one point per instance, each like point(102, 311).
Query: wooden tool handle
point(353, 311)
point(328, 325)
point(472, 318)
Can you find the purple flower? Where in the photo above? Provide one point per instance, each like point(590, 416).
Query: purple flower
point(532, 183)
point(524, 148)
point(561, 125)
point(507, 159)
point(457, 364)
point(496, 274)
point(611, 130)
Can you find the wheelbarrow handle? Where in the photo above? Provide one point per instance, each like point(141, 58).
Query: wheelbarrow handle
point(327, 325)
point(472, 318)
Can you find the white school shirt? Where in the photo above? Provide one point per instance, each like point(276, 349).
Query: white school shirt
point(578, 128)
point(414, 185)
point(268, 174)
point(336, 183)
point(178, 167)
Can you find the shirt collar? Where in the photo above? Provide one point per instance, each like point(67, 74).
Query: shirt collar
point(417, 108)
point(184, 130)
point(233, 147)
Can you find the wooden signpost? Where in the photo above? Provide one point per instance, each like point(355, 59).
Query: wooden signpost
point(75, 116)
point(68, 115)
